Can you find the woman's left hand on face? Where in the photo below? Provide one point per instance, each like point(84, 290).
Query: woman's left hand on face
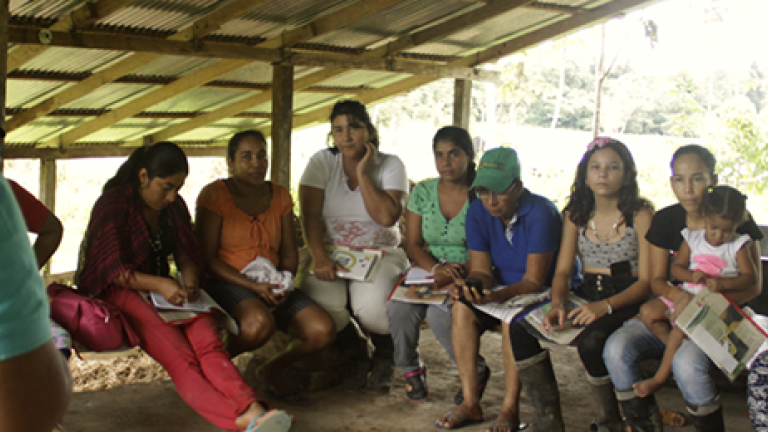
point(366, 163)
point(586, 314)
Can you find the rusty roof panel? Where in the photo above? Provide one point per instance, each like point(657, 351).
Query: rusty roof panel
point(175, 66)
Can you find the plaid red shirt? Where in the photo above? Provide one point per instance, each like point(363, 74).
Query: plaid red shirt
point(117, 239)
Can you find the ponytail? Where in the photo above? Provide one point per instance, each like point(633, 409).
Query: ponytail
point(162, 160)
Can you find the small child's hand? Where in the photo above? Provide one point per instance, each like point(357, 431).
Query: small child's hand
point(714, 285)
point(698, 277)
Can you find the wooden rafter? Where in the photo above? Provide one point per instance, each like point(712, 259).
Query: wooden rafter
point(201, 27)
point(217, 149)
point(496, 52)
point(86, 14)
point(81, 89)
point(404, 42)
point(177, 87)
point(214, 20)
point(329, 23)
point(343, 61)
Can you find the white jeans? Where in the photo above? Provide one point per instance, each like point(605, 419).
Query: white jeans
point(368, 299)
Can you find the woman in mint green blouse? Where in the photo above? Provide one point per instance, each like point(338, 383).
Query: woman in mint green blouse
point(435, 240)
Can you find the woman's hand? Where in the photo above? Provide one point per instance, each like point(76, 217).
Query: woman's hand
point(460, 291)
point(172, 292)
point(698, 277)
point(554, 320)
point(264, 290)
point(326, 268)
point(714, 284)
point(366, 163)
point(585, 315)
point(447, 273)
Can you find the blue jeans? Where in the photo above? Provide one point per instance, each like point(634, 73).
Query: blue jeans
point(634, 342)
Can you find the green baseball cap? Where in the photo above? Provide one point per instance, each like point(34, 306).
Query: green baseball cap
point(498, 168)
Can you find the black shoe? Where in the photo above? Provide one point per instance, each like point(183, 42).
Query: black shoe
point(380, 378)
point(416, 385)
point(482, 382)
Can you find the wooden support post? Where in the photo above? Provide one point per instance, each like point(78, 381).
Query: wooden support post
point(48, 193)
point(282, 122)
point(462, 102)
point(4, 15)
point(48, 183)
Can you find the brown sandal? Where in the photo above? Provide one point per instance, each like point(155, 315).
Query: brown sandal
point(672, 418)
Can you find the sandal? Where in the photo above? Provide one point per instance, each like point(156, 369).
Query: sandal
point(463, 421)
point(672, 418)
point(482, 383)
point(279, 421)
point(520, 426)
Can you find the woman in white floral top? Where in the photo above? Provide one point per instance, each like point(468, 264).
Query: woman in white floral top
point(353, 195)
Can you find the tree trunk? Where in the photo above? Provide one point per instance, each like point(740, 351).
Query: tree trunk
point(560, 91)
point(599, 78)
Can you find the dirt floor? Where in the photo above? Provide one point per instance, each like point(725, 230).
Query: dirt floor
point(151, 404)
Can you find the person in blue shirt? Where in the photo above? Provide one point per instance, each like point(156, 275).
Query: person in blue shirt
point(36, 387)
point(513, 237)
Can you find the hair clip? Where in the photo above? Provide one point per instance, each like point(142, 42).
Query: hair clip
point(599, 142)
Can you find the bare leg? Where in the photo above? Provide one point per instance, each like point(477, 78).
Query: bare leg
point(465, 334)
point(315, 329)
point(256, 327)
point(654, 315)
point(650, 386)
point(509, 416)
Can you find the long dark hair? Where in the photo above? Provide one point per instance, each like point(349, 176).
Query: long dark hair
point(581, 203)
point(160, 160)
point(356, 111)
point(726, 202)
point(234, 142)
point(459, 137)
point(706, 156)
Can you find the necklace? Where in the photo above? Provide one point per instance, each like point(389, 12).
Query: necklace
point(610, 233)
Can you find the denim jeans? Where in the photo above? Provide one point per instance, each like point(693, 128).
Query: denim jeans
point(634, 342)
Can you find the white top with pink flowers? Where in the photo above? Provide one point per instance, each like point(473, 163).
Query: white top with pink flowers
point(346, 219)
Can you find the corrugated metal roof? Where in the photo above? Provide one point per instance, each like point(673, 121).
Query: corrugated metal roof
point(162, 18)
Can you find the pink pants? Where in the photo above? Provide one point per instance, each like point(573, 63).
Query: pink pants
point(194, 357)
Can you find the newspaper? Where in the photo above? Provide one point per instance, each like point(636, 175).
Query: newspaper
point(508, 310)
point(722, 330)
point(569, 332)
point(419, 294)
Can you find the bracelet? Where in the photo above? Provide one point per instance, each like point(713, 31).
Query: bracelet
point(610, 308)
point(439, 263)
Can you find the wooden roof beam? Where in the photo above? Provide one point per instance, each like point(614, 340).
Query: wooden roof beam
point(404, 42)
point(124, 42)
point(329, 23)
point(80, 89)
point(217, 149)
point(496, 52)
point(214, 20)
point(80, 17)
point(231, 109)
point(205, 25)
point(135, 106)
point(390, 65)
point(453, 25)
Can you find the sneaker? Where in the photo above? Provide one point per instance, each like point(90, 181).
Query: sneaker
point(416, 385)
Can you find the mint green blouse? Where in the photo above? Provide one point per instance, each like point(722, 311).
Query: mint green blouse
point(447, 239)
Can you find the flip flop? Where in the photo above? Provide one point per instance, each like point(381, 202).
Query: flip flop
point(464, 421)
point(280, 421)
point(520, 425)
point(672, 418)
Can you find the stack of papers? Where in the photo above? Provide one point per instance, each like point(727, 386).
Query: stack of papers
point(418, 276)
